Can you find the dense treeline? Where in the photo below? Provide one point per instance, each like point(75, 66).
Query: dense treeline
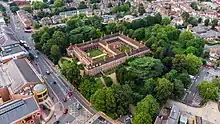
point(146, 81)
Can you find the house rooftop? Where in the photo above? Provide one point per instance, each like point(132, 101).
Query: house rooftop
point(15, 110)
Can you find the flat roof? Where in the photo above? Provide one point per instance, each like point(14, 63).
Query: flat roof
point(7, 36)
point(15, 110)
point(13, 50)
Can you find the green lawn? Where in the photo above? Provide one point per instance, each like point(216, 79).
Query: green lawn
point(95, 52)
point(124, 48)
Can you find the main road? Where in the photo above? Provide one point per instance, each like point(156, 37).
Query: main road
point(62, 88)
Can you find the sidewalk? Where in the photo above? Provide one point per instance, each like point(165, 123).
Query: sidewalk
point(57, 112)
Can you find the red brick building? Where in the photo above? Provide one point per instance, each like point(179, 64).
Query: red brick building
point(111, 51)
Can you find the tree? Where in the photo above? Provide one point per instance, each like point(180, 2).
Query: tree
point(148, 105)
point(164, 89)
point(14, 9)
point(146, 110)
point(71, 71)
point(108, 81)
point(158, 18)
point(28, 9)
point(98, 100)
point(89, 86)
point(206, 22)
point(94, 1)
point(193, 64)
point(2, 8)
point(139, 34)
point(184, 37)
point(82, 5)
point(39, 5)
point(214, 23)
point(149, 86)
point(194, 22)
point(141, 9)
point(185, 15)
point(178, 89)
point(185, 78)
point(166, 21)
point(146, 67)
point(208, 90)
point(60, 38)
point(58, 3)
point(216, 82)
point(179, 62)
point(194, 6)
point(55, 52)
point(114, 100)
point(200, 20)
point(142, 118)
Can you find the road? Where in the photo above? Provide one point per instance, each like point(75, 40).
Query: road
point(59, 90)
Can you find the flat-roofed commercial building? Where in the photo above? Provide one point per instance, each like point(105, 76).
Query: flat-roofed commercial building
point(10, 46)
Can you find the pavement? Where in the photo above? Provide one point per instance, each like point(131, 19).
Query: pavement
point(209, 112)
point(62, 87)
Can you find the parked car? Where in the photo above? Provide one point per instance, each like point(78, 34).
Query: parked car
point(78, 106)
point(64, 99)
point(48, 72)
point(65, 111)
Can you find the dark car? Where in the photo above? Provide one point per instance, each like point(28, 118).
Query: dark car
point(64, 99)
point(56, 122)
point(54, 82)
point(65, 111)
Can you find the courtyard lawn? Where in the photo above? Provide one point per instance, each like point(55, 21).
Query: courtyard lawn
point(95, 52)
point(99, 59)
point(124, 48)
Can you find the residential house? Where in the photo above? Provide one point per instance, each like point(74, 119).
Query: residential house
point(68, 14)
point(214, 54)
point(46, 21)
point(47, 10)
point(25, 17)
point(72, 4)
point(35, 12)
point(177, 21)
point(56, 19)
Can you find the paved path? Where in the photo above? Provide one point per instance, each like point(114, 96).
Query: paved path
point(209, 112)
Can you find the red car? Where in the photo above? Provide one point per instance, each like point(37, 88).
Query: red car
point(65, 111)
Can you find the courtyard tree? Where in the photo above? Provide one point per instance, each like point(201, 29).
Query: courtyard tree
point(193, 64)
point(146, 67)
point(208, 90)
point(164, 89)
point(216, 82)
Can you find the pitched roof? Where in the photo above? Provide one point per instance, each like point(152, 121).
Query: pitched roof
point(13, 111)
point(21, 72)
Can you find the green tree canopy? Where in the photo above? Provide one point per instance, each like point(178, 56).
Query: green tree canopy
point(58, 3)
point(208, 90)
point(39, 5)
point(146, 67)
point(193, 64)
point(164, 89)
